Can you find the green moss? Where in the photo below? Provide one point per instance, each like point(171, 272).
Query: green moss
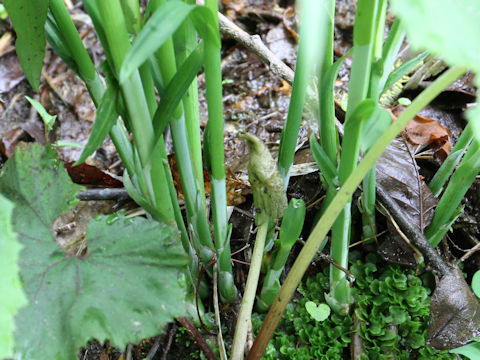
point(392, 308)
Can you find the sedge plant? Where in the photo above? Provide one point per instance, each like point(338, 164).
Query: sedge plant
point(139, 64)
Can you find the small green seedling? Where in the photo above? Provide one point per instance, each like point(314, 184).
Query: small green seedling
point(48, 119)
point(318, 312)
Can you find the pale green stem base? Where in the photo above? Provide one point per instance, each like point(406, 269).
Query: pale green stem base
point(241, 328)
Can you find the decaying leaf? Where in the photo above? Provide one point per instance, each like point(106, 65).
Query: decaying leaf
point(455, 313)
point(424, 131)
point(397, 173)
point(90, 175)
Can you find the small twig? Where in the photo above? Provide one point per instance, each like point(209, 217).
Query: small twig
point(373, 237)
point(469, 253)
point(255, 44)
point(129, 352)
point(419, 255)
point(104, 194)
point(171, 334)
point(154, 348)
point(329, 260)
point(218, 321)
point(241, 262)
point(207, 351)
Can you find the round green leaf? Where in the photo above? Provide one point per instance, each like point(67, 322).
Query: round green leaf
point(320, 312)
point(476, 283)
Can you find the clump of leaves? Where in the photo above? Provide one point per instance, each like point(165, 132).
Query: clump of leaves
point(391, 304)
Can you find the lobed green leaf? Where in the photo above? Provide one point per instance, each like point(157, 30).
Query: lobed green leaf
point(124, 288)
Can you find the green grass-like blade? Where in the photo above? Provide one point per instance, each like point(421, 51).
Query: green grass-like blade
point(403, 70)
point(104, 121)
point(163, 23)
point(176, 89)
point(28, 18)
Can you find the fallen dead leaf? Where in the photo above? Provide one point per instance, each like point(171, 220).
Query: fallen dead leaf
point(85, 174)
point(428, 132)
point(455, 313)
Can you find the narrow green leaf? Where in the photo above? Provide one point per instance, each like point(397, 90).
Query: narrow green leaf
point(374, 127)
point(204, 21)
point(328, 132)
point(163, 23)
point(359, 117)
point(74, 299)
point(28, 18)
point(104, 121)
point(11, 289)
point(403, 70)
point(48, 119)
point(325, 165)
point(140, 199)
point(292, 223)
point(56, 41)
point(471, 351)
point(61, 143)
point(176, 88)
point(441, 176)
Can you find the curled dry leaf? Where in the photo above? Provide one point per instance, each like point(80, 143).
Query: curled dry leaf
point(90, 175)
point(427, 132)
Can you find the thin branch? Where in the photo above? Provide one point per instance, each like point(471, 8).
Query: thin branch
point(207, 351)
point(255, 44)
point(104, 194)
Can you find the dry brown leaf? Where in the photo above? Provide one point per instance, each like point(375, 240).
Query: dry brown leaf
point(397, 172)
point(455, 313)
point(425, 131)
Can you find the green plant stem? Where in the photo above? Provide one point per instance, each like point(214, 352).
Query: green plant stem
point(244, 316)
point(216, 161)
point(138, 108)
point(363, 37)
point(185, 40)
point(336, 206)
point(314, 26)
point(328, 132)
point(87, 72)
